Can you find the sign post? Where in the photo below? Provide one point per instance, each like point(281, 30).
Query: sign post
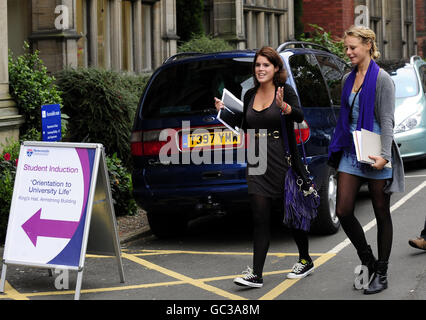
point(61, 209)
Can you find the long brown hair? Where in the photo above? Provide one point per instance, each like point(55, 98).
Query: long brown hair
point(280, 77)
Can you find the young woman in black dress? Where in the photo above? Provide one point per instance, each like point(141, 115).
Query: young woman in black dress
point(263, 106)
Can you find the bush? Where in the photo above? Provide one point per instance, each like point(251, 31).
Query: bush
point(121, 187)
point(8, 162)
point(101, 105)
point(31, 87)
point(205, 44)
point(325, 39)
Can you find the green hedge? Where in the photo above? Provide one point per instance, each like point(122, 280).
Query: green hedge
point(101, 105)
point(321, 37)
point(8, 163)
point(205, 44)
point(31, 87)
point(121, 187)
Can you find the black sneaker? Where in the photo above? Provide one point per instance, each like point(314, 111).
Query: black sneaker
point(249, 279)
point(301, 269)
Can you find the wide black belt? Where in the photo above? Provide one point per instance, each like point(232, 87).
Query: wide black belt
point(274, 134)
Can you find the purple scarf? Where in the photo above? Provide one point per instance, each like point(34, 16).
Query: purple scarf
point(342, 137)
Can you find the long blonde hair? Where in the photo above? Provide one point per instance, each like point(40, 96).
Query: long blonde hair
point(366, 35)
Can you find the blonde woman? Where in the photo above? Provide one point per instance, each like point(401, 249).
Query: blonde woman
point(368, 101)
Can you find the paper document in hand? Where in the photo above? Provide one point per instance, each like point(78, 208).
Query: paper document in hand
point(367, 143)
point(232, 114)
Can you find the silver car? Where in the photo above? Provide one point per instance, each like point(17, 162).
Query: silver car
point(410, 108)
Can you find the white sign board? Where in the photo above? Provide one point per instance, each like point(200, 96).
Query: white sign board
point(52, 205)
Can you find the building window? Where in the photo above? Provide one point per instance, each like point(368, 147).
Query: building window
point(273, 27)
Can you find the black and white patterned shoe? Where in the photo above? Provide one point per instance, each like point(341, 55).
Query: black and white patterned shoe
point(301, 269)
point(249, 279)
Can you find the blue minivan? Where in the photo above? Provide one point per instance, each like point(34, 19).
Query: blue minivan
point(205, 174)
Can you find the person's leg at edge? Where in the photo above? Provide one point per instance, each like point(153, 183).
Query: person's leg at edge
point(423, 232)
point(420, 241)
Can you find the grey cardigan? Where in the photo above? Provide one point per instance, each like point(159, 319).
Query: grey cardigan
point(384, 110)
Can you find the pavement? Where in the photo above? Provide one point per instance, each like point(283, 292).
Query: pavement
point(200, 265)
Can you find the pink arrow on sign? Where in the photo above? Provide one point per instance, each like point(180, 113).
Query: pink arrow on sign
point(36, 227)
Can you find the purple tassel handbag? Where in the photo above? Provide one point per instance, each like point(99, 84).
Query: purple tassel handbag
point(301, 199)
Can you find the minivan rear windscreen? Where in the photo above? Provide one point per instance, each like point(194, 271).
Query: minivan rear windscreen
point(190, 88)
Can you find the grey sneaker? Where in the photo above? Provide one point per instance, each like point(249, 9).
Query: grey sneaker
point(249, 279)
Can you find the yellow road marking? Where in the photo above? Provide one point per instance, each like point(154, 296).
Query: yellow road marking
point(12, 293)
point(145, 285)
point(182, 279)
point(277, 254)
point(283, 286)
point(197, 283)
point(97, 290)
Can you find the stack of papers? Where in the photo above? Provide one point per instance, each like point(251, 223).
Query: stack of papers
point(232, 114)
point(367, 143)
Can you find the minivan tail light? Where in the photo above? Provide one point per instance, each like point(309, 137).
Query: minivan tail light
point(136, 143)
point(151, 143)
point(302, 132)
point(147, 143)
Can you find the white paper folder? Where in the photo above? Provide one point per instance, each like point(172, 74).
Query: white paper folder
point(367, 143)
point(232, 115)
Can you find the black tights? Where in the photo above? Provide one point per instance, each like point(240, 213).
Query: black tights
point(347, 188)
point(261, 208)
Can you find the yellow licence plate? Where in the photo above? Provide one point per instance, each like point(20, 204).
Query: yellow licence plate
point(211, 139)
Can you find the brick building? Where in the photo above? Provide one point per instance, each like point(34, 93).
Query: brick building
point(399, 24)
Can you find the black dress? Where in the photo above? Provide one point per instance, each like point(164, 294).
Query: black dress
point(271, 183)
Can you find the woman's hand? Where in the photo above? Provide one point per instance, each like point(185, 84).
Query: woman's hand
point(218, 104)
point(379, 162)
point(285, 108)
